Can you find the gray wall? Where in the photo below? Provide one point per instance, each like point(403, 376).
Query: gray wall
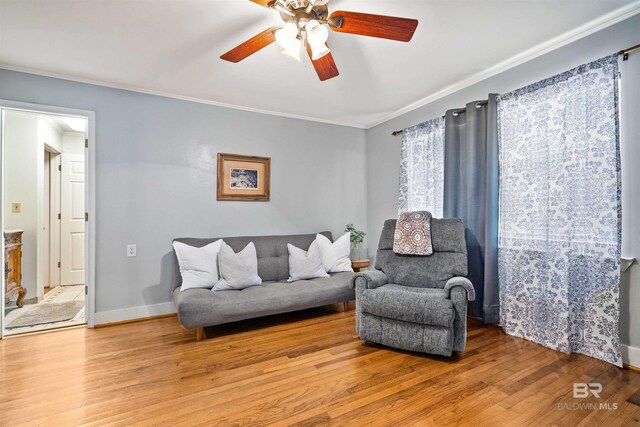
point(156, 170)
point(383, 150)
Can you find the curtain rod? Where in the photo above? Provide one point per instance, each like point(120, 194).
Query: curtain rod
point(455, 113)
point(624, 53)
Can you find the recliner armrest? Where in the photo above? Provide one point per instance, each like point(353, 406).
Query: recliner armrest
point(371, 279)
point(461, 282)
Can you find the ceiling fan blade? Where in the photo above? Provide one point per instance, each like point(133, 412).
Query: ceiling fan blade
point(366, 24)
point(264, 3)
point(325, 66)
point(251, 46)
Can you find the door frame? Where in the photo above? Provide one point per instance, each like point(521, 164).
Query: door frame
point(90, 200)
point(54, 224)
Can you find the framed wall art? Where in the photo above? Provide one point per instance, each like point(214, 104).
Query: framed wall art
point(245, 178)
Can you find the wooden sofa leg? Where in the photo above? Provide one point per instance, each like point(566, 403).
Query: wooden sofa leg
point(345, 306)
point(200, 335)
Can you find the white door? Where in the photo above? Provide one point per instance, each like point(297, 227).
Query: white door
point(72, 220)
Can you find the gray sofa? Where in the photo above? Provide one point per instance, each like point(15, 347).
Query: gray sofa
point(417, 303)
point(198, 308)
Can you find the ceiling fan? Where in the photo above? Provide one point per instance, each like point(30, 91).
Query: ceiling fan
point(306, 23)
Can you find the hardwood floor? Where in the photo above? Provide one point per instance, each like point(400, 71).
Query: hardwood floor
point(307, 368)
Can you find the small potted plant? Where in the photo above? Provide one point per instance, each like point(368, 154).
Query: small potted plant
point(357, 237)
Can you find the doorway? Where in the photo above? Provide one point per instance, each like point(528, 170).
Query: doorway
point(48, 270)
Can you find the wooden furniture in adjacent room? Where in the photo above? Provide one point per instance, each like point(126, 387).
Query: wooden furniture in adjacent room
point(359, 264)
point(12, 266)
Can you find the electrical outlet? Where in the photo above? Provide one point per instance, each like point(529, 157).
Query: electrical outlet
point(131, 250)
point(16, 207)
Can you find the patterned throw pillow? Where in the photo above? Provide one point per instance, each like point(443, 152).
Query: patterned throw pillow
point(413, 234)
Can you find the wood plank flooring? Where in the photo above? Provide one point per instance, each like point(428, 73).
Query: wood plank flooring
point(306, 368)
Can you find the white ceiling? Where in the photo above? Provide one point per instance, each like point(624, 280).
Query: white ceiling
point(62, 123)
point(171, 47)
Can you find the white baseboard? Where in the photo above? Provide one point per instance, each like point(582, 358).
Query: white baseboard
point(630, 355)
point(132, 313)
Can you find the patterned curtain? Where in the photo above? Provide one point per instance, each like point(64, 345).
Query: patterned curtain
point(560, 211)
point(422, 168)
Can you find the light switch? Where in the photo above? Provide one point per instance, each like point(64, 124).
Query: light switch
point(131, 250)
point(16, 207)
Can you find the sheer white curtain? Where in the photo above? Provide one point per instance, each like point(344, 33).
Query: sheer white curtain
point(559, 243)
point(422, 168)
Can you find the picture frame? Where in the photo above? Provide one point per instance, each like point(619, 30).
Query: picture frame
point(243, 178)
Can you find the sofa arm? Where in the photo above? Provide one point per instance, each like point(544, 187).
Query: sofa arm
point(371, 279)
point(461, 282)
point(460, 292)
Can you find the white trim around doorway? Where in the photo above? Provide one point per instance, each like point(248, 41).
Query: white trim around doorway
point(90, 199)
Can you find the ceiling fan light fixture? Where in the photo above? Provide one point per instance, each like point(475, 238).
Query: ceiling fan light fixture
point(287, 36)
point(318, 51)
point(316, 32)
point(317, 35)
point(293, 51)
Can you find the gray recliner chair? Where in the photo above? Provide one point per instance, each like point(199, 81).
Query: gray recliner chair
point(417, 303)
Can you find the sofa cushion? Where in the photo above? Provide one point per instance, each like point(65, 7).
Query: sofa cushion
point(335, 256)
point(304, 265)
point(273, 256)
point(237, 270)
point(201, 307)
point(198, 266)
point(426, 306)
point(406, 335)
point(433, 292)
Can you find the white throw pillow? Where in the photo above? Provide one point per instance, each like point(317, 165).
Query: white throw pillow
point(198, 266)
point(238, 270)
point(335, 256)
point(305, 265)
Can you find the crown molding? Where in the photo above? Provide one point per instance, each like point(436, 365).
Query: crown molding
point(564, 39)
point(130, 88)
